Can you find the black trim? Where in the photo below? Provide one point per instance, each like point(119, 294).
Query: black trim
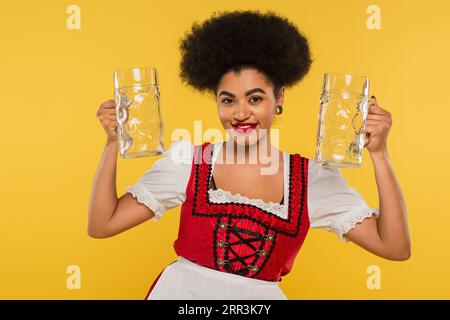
point(230, 217)
point(252, 205)
point(216, 266)
point(227, 238)
point(212, 185)
point(255, 260)
point(217, 215)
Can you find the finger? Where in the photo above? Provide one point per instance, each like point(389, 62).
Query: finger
point(376, 109)
point(108, 104)
point(373, 102)
point(386, 123)
point(373, 99)
point(373, 109)
point(372, 116)
point(373, 130)
point(111, 124)
point(374, 122)
point(110, 117)
point(111, 112)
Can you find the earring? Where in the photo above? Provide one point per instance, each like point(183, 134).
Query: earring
point(279, 109)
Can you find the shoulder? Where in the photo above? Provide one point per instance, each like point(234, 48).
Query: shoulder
point(318, 171)
point(180, 152)
point(163, 185)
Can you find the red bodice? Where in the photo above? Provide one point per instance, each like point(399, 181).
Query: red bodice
point(241, 238)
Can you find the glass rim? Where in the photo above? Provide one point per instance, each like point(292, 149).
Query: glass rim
point(135, 77)
point(136, 86)
point(132, 68)
point(346, 74)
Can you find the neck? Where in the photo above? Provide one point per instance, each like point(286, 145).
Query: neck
point(258, 153)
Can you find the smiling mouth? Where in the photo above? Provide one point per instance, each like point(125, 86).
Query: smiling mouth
point(244, 127)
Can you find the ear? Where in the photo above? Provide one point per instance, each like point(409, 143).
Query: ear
point(280, 100)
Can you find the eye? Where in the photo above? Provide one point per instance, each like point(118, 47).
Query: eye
point(226, 99)
point(258, 98)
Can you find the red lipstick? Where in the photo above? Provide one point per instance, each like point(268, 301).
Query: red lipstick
point(243, 127)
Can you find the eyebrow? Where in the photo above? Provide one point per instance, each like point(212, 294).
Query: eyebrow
point(249, 92)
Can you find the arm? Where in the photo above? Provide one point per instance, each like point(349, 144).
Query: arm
point(108, 215)
point(386, 236)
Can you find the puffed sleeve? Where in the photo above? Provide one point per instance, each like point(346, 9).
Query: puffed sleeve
point(163, 186)
point(332, 204)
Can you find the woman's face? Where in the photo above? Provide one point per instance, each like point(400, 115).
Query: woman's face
point(246, 105)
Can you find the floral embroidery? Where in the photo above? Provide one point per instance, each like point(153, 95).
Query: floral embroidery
point(222, 196)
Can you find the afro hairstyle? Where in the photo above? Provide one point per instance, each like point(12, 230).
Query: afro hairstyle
point(236, 40)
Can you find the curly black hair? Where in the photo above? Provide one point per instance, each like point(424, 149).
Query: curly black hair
point(236, 40)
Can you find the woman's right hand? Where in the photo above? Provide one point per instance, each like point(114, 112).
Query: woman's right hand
point(106, 113)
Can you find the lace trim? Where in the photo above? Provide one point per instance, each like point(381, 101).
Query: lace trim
point(347, 226)
point(142, 199)
point(223, 196)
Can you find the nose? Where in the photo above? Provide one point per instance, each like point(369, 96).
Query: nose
point(242, 112)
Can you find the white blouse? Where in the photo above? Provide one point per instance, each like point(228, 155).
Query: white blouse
point(332, 204)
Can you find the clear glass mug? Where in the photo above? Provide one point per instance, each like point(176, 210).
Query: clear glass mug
point(341, 135)
point(139, 123)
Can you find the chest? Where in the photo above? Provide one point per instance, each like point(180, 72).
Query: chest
point(248, 181)
point(242, 238)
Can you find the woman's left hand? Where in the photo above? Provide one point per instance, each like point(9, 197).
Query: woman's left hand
point(378, 124)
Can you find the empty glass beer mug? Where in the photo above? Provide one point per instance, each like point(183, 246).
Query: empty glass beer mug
point(139, 123)
point(342, 119)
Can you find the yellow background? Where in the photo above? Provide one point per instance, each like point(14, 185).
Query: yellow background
point(53, 79)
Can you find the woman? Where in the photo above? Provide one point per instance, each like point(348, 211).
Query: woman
point(241, 229)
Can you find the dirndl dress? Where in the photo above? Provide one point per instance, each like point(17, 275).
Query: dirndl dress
point(233, 247)
point(233, 250)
